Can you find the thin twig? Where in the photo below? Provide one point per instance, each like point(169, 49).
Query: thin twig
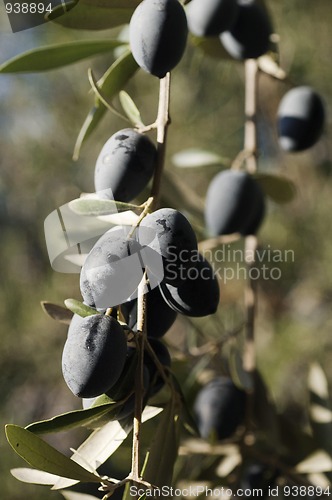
point(139, 383)
point(162, 123)
point(250, 297)
point(250, 129)
point(163, 120)
point(94, 85)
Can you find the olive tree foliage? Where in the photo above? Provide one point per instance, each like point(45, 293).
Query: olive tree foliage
point(113, 357)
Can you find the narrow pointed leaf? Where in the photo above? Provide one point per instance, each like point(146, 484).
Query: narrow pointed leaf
point(269, 65)
point(34, 476)
point(319, 461)
point(41, 455)
point(130, 108)
point(186, 416)
point(320, 408)
point(164, 448)
point(71, 419)
point(197, 158)
point(75, 495)
point(103, 442)
point(95, 15)
point(79, 308)
point(279, 189)
point(242, 378)
point(56, 312)
point(97, 207)
point(128, 218)
point(56, 56)
point(110, 85)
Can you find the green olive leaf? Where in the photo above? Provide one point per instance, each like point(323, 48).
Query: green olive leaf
point(198, 158)
point(56, 56)
point(96, 207)
point(279, 189)
point(94, 14)
point(56, 312)
point(73, 419)
point(186, 417)
point(164, 447)
point(110, 85)
point(41, 455)
point(103, 442)
point(130, 108)
point(79, 308)
point(241, 377)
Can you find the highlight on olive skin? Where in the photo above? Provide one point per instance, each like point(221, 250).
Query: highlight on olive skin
point(249, 37)
point(168, 232)
point(125, 165)
point(301, 119)
point(199, 293)
point(94, 355)
point(106, 268)
point(211, 17)
point(234, 204)
point(158, 35)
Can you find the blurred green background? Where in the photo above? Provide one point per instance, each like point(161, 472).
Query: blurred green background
point(40, 116)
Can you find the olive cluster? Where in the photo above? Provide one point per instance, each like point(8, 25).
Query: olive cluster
point(97, 358)
point(243, 26)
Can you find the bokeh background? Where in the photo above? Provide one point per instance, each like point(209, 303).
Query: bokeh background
point(40, 116)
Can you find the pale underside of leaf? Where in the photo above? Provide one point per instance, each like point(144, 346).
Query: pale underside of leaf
point(320, 414)
point(102, 443)
point(319, 461)
point(197, 158)
point(317, 382)
point(131, 110)
point(34, 476)
point(96, 207)
point(73, 495)
point(228, 464)
point(128, 218)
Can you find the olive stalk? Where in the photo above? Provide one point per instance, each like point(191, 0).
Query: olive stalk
point(139, 384)
point(250, 297)
point(162, 123)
